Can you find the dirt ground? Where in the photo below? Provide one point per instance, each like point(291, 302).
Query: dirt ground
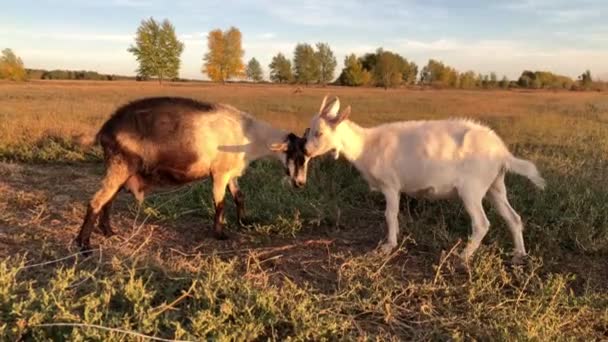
point(42, 207)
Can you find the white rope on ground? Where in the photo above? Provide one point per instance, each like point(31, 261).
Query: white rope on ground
point(101, 327)
point(57, 260)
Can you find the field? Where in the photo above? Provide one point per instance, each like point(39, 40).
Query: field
point(306, 269)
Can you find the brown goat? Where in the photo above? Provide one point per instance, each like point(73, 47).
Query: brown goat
point(166, 141)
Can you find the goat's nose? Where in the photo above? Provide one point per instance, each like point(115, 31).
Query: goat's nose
point(298, 184)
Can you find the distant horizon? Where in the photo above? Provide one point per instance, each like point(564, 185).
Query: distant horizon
point(501, 37)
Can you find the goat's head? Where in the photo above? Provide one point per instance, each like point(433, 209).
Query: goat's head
point(294, 158)
point(322, 136)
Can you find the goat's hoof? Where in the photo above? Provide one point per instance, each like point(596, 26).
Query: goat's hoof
point(519, 259)
point(85, 247)
point(461, 264)
point(86, 251)
point(244, 222)
point(220, 235)
point(386, 248)
point(107, 231)
point(463, 261)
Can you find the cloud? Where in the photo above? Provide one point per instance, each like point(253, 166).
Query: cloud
point(66, 36)
point(559, 11)
point(193, 39)
point(508, 57)
point(573, 15)
point(267, 35)
point(350, 14)
point(136, 4)
point(133, 3)
point(474, 48)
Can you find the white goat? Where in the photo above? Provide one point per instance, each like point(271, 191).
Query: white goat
point(431, 159)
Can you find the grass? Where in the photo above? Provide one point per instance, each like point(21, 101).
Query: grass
point(305, 269)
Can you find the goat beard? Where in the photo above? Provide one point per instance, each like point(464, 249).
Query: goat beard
point(336, 153)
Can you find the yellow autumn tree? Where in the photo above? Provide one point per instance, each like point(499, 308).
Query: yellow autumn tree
point(11, 66)
point(224, 60)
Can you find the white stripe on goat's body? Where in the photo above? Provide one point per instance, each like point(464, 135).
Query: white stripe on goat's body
point(432, 159)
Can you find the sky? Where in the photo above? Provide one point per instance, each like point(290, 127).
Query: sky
point(563, 36)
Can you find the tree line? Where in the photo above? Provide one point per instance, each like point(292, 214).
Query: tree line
point(58, 74)
point(157, 50)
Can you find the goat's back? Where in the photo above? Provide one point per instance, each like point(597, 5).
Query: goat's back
point(172, 133)
point(440, 139)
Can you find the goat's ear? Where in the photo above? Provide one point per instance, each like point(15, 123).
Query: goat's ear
point(330, 110)
point(341, 117)
point(323, 103)
point(306, 131)
point(278, 147)
point(345, 114)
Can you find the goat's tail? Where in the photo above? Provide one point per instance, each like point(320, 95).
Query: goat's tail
point(86, 139)
point(525, 168)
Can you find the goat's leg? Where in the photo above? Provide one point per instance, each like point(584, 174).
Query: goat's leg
point(498, 197)
point(219, 192)
point(392, 221)
point(104, 220)
point(480, 225)
point(136, 186)
point(116, 174)
point(239, 200)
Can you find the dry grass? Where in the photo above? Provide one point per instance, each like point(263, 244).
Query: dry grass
point(306, 269)
point(32, 112)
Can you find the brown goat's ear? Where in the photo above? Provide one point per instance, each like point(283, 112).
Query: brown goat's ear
point(306, 131)
point(278, 147)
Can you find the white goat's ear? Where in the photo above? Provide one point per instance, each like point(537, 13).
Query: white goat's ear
point(341, 117)
point(323, 103)
point(344, 114)
point(336, 154)
point(278, 147)
point(330, 111)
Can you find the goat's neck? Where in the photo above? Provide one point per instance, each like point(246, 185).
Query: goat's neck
point(352, 138)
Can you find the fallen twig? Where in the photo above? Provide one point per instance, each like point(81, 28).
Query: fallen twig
point(443, 260)
point(179, 299)
point(56, 260)
point(101, 327)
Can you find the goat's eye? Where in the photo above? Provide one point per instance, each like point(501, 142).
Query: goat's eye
point(318, 134)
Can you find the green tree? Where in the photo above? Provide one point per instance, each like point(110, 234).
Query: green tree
point(224, 59)
point(368, 61)
point(280, 69)
point(504, 83)
point(438, 74)
point(493, 80)
point(544, 79)
point(467, 80)
point(479, 81)
point(353, 73)
point(410, 71)
point(254, 70)
point(157, 50)
point(388, 71)
point(586, 79)
point(525, 80)
point(306, 64)
point(11, 66)
point(327, 63)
